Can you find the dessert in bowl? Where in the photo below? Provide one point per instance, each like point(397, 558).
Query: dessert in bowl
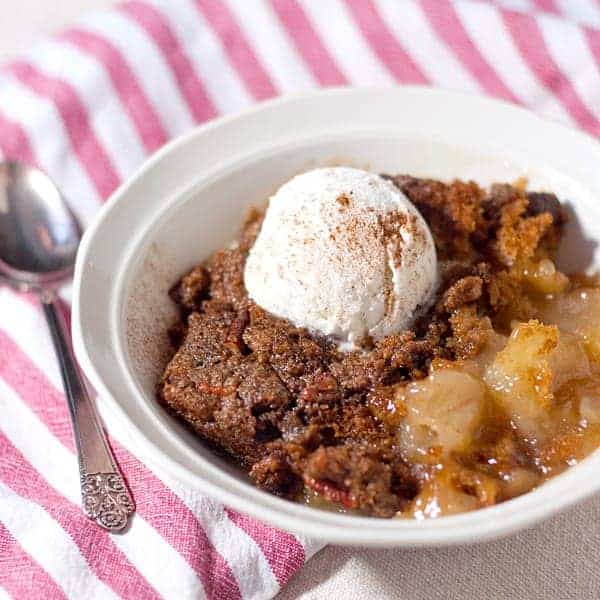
point(190, 201)
point(391, 346)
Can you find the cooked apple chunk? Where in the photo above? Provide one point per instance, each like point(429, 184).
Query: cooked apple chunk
point(451, 490)
point(442, 413)
point(523, 377)
point(577, 312)
point(543, 277)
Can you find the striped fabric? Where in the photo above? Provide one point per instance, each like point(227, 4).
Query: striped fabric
point(88, 106)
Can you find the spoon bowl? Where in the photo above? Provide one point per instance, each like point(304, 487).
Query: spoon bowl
point(39, 234)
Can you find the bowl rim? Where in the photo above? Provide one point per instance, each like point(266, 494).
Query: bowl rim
point(567, 489)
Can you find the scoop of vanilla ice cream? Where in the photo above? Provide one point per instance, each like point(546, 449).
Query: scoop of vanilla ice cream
point(343, 253)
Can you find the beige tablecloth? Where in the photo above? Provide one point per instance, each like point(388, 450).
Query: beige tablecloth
point(559, 559)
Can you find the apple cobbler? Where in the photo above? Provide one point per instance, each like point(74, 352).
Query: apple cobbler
point(494, 388)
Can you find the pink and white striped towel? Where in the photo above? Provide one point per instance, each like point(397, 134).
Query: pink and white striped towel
point(88, 106)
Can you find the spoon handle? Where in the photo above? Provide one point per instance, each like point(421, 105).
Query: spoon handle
point(105, 496)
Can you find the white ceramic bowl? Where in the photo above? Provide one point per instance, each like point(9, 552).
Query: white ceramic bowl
point(189, 200)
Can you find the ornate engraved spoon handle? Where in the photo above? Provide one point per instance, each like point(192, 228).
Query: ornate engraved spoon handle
point(105, 496)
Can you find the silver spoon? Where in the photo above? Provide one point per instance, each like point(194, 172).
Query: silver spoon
point(39, 236)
